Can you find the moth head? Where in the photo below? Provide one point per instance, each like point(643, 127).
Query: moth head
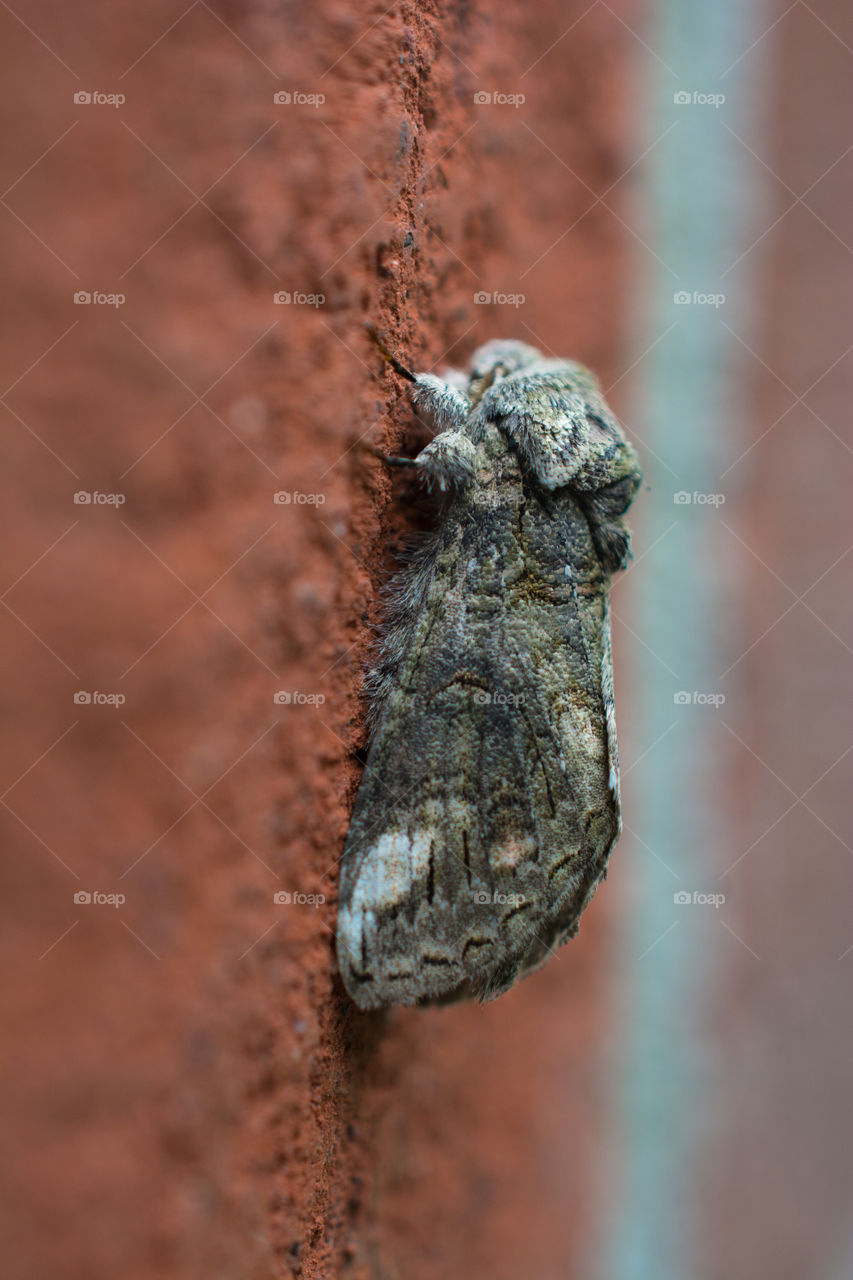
point(498, 359)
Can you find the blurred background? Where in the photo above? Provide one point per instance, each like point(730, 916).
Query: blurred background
point(202, 204)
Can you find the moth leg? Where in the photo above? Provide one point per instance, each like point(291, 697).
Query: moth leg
point(448, 461)
point(443, 405)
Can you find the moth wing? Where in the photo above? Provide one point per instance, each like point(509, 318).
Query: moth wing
point(486, 813)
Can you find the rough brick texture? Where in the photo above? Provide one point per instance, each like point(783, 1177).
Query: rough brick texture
point(191, 1094)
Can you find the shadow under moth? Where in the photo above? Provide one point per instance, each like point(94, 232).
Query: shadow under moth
point(490, 799)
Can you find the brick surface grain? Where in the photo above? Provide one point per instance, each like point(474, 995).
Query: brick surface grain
point(189, 1091)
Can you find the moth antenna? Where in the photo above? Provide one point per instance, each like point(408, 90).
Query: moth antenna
point(391, 459)
point(392, 360)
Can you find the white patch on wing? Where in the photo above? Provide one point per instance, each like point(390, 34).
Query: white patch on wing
point(390, 868)
point(514, 850)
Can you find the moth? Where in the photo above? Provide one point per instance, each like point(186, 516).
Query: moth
point(490, 798)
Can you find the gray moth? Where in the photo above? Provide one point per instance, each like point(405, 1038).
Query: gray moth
point(490, 798)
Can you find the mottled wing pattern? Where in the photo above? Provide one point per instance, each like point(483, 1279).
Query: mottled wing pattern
point(488, 806)
point(557, 415)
